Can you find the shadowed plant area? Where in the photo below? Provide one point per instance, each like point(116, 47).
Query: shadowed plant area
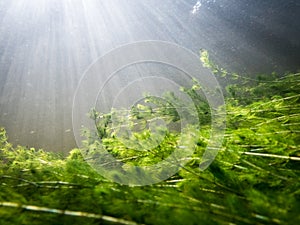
point(255, 178)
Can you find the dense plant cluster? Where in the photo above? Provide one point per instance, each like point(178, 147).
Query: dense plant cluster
point(255, 178)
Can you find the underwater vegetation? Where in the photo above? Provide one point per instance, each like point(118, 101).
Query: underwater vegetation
point(255, 178)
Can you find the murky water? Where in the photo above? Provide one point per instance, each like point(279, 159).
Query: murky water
point(46, 45)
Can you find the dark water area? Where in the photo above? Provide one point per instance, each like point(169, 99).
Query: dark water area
point(47, 45)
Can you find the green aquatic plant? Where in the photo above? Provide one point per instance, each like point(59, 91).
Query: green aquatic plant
point(255, 178)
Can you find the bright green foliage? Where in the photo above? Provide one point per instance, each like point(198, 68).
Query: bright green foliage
point(255, 178)
point(127, 135)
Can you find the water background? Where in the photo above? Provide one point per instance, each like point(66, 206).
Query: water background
point(46, 45)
